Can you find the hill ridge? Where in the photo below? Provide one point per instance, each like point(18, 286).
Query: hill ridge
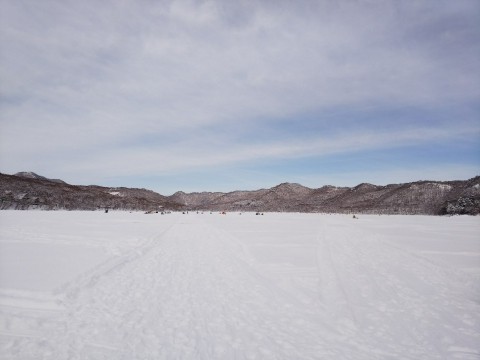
point(27, 190)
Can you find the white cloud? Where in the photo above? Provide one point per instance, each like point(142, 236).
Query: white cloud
point(201, 155)
point(81, 79)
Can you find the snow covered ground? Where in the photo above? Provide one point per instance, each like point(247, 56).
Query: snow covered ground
point(90, 285)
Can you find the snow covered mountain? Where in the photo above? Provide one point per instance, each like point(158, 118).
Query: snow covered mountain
point(32, 175)
point(31, 191)
point(28, 190)
point(422, 197)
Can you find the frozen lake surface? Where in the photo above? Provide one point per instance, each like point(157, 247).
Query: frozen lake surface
point(90, 285)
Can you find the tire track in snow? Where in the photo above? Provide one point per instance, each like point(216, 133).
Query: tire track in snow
point(191, 296)
point(193, 293)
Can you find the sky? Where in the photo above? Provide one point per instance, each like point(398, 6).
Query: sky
point(240, 95)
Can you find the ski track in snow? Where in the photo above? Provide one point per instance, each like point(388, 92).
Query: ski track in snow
point(195, 291)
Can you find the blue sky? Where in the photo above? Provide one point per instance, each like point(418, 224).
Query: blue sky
point(223, 95)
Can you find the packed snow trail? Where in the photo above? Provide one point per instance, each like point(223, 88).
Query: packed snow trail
point(194, 291)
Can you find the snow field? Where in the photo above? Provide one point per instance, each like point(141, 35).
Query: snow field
point(89, 285)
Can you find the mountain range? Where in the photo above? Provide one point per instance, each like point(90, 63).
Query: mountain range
point(27, 190)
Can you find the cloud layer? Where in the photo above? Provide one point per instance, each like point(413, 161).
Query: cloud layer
point(92, 90)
